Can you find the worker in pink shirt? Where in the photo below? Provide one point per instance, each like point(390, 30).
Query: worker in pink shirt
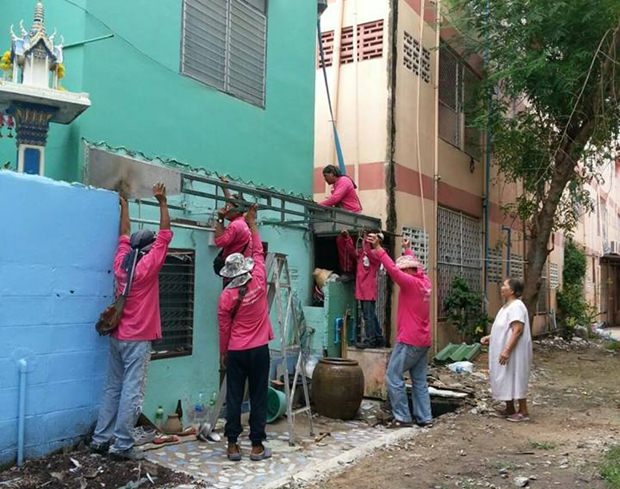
point(236, 237)
point(413, 336)
point(138, 260)
point(245, 332)
point(367, 268)
point(343, 191)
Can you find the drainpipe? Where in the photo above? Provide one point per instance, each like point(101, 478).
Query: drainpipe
point(487, 170)
point(434, 274)
point(356, 170)
point(21, 416)
point(390, 176)
point(508, 230)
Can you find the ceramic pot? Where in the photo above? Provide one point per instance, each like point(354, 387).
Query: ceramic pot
point(337, 388)
point(173, 424)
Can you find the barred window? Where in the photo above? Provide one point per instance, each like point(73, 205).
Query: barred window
point(369, 43)
point(176, 303)
point(457, 88)
point(416, 58)
point(459, 246)
point(224, 45)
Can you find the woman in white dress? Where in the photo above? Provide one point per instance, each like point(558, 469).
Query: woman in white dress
point(510, 352)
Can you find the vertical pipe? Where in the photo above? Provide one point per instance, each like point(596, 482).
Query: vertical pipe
point(487, 169)
point(508, 230)
point(23, 366)
point(356, 170)
point(434, 270)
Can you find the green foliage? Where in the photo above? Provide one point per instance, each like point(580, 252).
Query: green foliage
point(610, 468)
point(574, 264)
point(550, 62)
point(548, 101)
point(573, 308)
point(542, 445)
point(464, 309)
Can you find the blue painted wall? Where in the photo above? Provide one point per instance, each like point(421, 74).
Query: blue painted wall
point(54, 281)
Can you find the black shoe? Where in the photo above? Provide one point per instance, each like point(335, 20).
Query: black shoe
point(363, 345)
point(131, 454)
point(99, 448)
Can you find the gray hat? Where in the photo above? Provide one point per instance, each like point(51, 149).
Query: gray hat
point(236, 264)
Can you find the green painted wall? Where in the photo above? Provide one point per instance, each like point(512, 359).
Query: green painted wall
point(140, 101)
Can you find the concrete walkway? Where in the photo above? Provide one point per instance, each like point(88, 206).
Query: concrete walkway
point(310, 458)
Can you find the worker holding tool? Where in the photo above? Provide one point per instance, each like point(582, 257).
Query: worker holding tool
point(245, 332)
point(236, 237)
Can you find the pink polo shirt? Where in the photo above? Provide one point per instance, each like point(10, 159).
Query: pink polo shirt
point(236, 238)
point(141, 321)
point(366, 272)
point(250, 327)
point(343, 195)
point(414, 301)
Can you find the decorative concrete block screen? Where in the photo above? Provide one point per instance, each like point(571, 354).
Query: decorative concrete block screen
point(56, 253)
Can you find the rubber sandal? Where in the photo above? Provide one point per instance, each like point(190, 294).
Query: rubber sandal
point(395, 424)
point(517, 418)
point(257, 457)
point(234, 457)
point(161, 439)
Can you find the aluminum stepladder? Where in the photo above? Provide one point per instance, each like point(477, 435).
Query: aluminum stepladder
point(278, 284)
point(280, 289)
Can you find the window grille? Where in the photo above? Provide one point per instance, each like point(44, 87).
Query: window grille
point(419, 243)
point(327, 40)
point(496, 268)
point(459, 244)
point(457, 91)
point(224, 46)
point(176, 302)
point(369, 42)
point(411, 58)
point(554, 275)
point(517, 266)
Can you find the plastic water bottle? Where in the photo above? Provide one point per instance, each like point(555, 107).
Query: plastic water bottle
point(199, 407)
point(159, 417)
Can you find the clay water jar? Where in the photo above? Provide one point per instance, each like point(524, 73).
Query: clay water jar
point(337, 388)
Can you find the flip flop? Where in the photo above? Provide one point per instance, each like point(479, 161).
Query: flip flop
point(517, 418)
point(395, 424)
point(161, 439)
point(257, 457)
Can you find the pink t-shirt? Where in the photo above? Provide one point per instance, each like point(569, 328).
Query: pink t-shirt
point(236, 238)
point(250, 327)
point(343, 196)
point(366, 272)
point(414, 300)
point(141, 321)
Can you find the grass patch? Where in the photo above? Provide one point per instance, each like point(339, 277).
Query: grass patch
point(612, 345)
point(610, 468)
point(542, 445)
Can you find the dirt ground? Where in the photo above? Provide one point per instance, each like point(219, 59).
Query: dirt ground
point(575, 410)
point(80, 469)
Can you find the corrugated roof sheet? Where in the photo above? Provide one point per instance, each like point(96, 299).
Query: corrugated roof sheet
point(455, 352)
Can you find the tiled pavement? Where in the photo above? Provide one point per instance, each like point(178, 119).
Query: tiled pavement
point(208, 461)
